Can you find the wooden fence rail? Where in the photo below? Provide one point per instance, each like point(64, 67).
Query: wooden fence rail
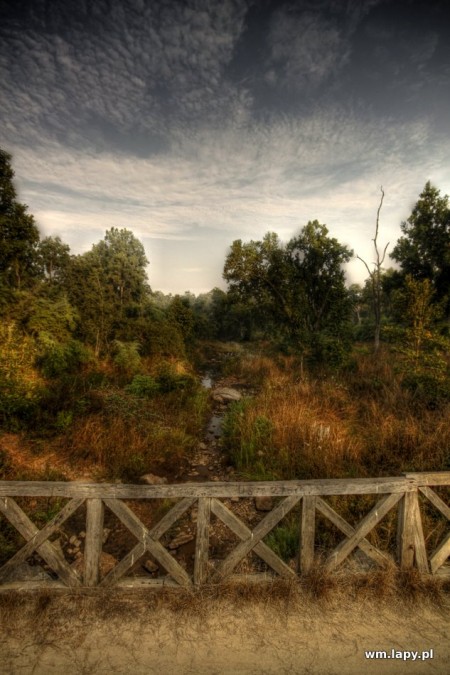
point(397, 492)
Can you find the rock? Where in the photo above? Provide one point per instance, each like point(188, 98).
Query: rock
point(82, 534)
point(263, 503)
point(226, 394)
point(202, 446)
point(151, 479)
point(26, 572)
point(183, 538)
point(107, 563)
point(106, 533)
point(150, 566)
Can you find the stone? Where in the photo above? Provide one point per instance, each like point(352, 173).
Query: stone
point(223, 394)
point(150, 566)
point(263, 503)
point(180, 540)
point(107, 563)
point(151, 479)
point(26, 572)
point(202, 446)
point(82, 534)
point(106, 533)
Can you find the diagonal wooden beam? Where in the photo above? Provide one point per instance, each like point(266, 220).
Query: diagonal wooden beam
point(243, 532)
point(371, 551)
point(436, 501)
point(156, 532)
point(132, 522)
point(28, 530)
point(440, 555)
point(260, 531)
point(40, 536)
point(381, 508)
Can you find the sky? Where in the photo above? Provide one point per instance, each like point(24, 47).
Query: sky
point(196, 123)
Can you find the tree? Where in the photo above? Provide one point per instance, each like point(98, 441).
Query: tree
point(375, 279)
point(19, 235)
point(108, 285)
point(299, 288)
point(424, 250)
point(53, 258)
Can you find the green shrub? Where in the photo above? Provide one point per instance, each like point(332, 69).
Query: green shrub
point(143, 386)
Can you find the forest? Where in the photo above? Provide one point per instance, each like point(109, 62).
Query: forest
point(347, 380)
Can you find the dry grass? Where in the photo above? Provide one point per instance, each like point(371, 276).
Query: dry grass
point(318, 589)
point(358, 423)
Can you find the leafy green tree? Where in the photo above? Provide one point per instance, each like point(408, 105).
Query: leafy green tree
point(54, 258)
point(19, 234)
point(181, 314)
point(299, 288)
point(108, 286)
point(424, 250)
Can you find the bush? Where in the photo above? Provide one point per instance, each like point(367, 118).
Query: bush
point(143, 386)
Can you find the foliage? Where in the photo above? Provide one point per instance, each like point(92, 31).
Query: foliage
point(424, 250)
point(19, 235)
point(127, 357)
point(299, 288)
point(19, 383)
point(143, 386)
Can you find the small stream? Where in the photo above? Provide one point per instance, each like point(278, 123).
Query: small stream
point(214, 427)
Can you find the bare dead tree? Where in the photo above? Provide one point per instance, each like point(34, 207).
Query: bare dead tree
point(375, 278)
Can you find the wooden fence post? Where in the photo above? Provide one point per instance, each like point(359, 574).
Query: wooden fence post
point(410, 539)
point(93, 541)
point(202, 542)
point(307, 533)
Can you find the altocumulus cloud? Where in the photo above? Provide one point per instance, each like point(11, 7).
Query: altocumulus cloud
point(195, 123)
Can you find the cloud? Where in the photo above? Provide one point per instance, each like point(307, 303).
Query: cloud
point(118, 68)
point(305, 49)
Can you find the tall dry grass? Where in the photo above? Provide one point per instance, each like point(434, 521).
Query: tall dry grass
point(360, 422)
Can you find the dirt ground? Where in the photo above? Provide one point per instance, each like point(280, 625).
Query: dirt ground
point(66, 638)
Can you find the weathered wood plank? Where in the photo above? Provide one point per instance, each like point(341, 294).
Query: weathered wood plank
point(420, 550)
point(132, 522)
point(329, 486)
point(156, 532)
point(371, 551)
point(202, 541)
point(307, 533)
point(430, 478)
point(436, 501)
point(171, 517)
point(440, 555)
point(93, 541)
point(381, 508)
point(260, 531)
point(143, 582)
point(238, 527)
point(123, 565)
point(41, 535)
point(46, 550)
point(406, 531)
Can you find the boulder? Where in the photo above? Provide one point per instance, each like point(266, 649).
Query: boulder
point(222, 394)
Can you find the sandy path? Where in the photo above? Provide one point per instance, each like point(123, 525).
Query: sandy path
point(244, 640)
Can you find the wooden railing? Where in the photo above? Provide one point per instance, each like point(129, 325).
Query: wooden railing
point(401, 492)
